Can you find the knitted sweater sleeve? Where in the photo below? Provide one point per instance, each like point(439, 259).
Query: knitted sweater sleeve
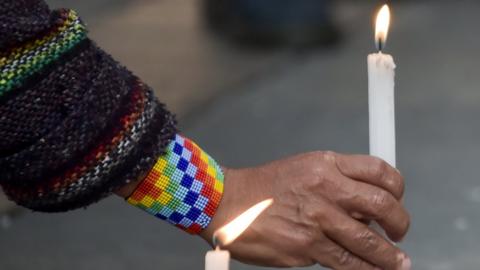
point(75, 125)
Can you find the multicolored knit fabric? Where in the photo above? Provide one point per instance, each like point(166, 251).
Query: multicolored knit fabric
point(23, 61)
point(184, 187)
point(75, 124)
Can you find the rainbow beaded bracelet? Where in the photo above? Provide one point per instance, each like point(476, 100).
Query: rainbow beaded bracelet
point(184, 187)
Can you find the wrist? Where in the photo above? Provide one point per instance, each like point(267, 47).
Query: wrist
point(219, 216)
point(242, 189)
point(127, 190)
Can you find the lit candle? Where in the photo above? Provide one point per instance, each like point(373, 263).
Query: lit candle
point(220, 259)
point(217, 259)
point(381, 98)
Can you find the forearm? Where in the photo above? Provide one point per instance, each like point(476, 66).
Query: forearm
point(78, 126)
point(75, 124)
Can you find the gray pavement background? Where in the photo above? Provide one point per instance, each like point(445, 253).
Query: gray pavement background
point(284, 103)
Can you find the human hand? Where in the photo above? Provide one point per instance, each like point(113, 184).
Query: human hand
point(320, 201)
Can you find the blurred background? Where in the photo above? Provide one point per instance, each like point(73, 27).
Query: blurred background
point(252, 81)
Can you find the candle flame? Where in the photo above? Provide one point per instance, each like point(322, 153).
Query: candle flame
point(228, 233)
point(381, 28)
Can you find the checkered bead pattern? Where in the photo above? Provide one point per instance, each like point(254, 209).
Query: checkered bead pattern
point(184, 187)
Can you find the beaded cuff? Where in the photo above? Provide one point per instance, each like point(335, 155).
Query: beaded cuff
point(184, 187)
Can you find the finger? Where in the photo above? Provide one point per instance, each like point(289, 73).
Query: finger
point(371, 170)
point(365, 243)
point(331, 255)
point(372, 203)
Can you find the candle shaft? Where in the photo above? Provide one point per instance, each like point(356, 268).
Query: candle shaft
point(381, 100)
point(217, 260)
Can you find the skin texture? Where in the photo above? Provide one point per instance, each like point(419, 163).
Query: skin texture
point(323, 202)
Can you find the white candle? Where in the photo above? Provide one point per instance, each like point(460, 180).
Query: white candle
point(381, 97)
point(217, 260)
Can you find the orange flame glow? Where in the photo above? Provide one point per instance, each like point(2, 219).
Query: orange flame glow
point(382, 25)
point(228, 233)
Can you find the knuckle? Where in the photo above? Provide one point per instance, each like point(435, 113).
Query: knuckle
point(323, 162)
point(368, 241)
point(314, 162)
point(396, 183)
point(315, 218)
point(306, 240)
point(378, 168)
point(310, 213)
point(381, 203)
point(323, 157)
point(315, 156)
point(345, 258)
point(329, 155)
point(319, 176)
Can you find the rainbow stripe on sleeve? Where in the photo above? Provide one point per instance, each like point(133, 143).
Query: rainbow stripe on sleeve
point(184, 187)
point(24, 61)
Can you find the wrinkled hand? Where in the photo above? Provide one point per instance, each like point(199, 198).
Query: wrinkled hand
point(322, 204)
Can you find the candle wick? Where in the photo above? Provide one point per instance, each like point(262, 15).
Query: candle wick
point(214, 240)
point(380, 44)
